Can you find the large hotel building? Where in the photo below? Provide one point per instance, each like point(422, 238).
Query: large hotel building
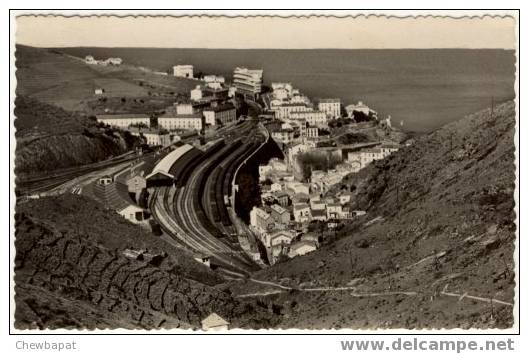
point(248, 82)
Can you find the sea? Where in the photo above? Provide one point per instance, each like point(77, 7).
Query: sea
point(421, 89)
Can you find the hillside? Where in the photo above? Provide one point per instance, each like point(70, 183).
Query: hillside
point(70, 272)
point(49, 138)
point(434, 248)
point(62, 80)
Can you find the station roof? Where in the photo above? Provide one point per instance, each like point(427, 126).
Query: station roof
point(167, 162)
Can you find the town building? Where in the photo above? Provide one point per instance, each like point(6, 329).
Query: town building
point(277, 243)
point(114, 61)
point(248, 82)
point(89, 59)
point(317, 205)
point(216, 93)
point(184, 108)
point(283, 136)
point(331, 107)
point(301, 248)
point(183, 71)
point(359, 107)
point(264, 170)
point(280, 214)
point(260, 220)
point(196, 93)
point(285, 110)
point(334, 210)
point(222, 114)
point(281, 198)
point(298, 187)
point(114, 196)
point(181, 121)
point(214, 322)
point(312, 132)
point(276, 187)
point(319, 214)
point(99, 91)
point(136, 184)
point(124, 120)
point(366, 156)
point(214, 78)
point(301, 212)
point(278, 164)
point(344, 197)
point(153, 137)
point(313, 118)
point(281, 90)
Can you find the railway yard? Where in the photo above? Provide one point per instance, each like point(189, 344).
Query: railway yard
point(191, 206)
point(194, 209)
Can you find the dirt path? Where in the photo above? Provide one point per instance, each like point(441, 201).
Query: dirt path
point(373, 294)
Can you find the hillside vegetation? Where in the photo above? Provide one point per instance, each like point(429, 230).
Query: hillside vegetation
point(59, 79)
point(49, 138)
point(435, 249)
point(70, 272)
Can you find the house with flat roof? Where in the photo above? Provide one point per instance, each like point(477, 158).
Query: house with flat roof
point(124, 120)
point(301, 248)
point(331, 107)
point(214, 323)
point(183, 71)
point(280, 214)
point(221, 114)
point(301, 212)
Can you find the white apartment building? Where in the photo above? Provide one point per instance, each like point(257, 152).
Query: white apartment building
point(285, 110)
point(359, 107)
point(183, 71)
point(313, 118)
point(196, 93)
point(214, 78)
point(223, 114)
point(366, 156)
point(184, 108)
point(181, 121)
point(284, 136)
point(331, 107)
point(248, 81)
point(153, 137)
point(301, 212)
point(124, 120)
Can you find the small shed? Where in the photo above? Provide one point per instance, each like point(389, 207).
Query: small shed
point(214, 322)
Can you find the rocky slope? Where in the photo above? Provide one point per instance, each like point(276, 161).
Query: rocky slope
point(49, 138)
point(435, 249)
point(71, 272)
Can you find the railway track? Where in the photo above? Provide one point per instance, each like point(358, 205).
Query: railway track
point(190, 211)
point(42, 184)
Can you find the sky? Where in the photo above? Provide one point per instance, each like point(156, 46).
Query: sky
point(266, 32)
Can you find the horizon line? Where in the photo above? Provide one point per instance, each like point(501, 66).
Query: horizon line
point(256, 48)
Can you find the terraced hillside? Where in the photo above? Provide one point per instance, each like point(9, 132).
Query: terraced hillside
point(71, 271)
point(435, 249)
